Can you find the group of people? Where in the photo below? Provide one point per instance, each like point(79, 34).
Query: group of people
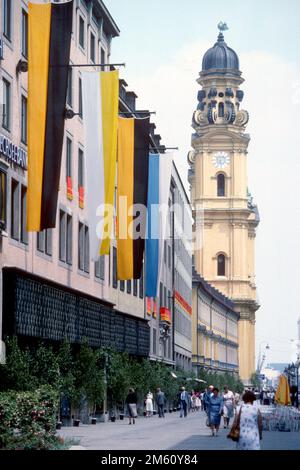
point(132, 400)
point(216, 405)
point(246, 415)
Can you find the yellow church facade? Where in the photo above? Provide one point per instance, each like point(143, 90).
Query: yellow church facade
point(225, 218)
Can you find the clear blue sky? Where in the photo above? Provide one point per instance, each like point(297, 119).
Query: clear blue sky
point(151, 31)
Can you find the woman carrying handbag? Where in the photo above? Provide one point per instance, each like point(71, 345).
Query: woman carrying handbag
point(246, 430)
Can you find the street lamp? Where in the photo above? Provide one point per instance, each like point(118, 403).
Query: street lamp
point(261, 358)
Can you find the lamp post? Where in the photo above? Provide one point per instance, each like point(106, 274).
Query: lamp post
point(261, 358)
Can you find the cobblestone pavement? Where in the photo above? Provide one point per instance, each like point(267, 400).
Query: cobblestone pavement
point(170, 433)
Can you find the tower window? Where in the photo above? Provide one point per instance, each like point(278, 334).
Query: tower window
point(221, 185)
point(221, 265)
point(221, 110)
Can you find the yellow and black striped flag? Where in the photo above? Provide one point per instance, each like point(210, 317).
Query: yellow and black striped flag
point(49, 41)
point(133, 168)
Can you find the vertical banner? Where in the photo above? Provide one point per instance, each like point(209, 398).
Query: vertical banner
point(152, 241)
point(133, 162)
point(165, 171)
point(100, 94)
point(160, 169)
point(49, 42)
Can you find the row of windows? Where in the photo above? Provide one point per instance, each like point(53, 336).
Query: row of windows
point(82, 40)
point(167, 255)
point(183, 325)
point(83, 31)
point(165, 296)
point(135, 286)
point(7, 110)
point(184, 290)
point(183, 254)
point(7, 25)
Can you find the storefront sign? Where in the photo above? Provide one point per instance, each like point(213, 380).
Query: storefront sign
point(12, 152)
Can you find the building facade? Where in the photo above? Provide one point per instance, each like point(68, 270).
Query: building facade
point(215, 329)
point(49, 287)
point(225, 216)
point(57, 262)
point(170, 313)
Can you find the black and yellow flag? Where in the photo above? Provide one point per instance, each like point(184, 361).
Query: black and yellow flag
point(49, 41)
point(133, 167)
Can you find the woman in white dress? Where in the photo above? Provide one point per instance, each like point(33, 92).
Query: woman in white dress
point(228, 407)
point(250, 424)
point(149, 404)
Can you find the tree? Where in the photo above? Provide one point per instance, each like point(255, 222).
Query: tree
point(16, 374)
point(88, 376)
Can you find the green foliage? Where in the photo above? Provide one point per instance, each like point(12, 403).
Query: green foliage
point(255, 380)
point(16, 373)
point(28, 419)
point(45, 367)
point(119, 374)
point(66, 367)
point(219, 380)
point(89, 376)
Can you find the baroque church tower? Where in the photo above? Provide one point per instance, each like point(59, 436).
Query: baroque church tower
point(225, 218)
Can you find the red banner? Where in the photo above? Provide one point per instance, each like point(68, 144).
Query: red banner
point(69, 188)
point(81, 197)
point(154, 313)
point(149, 305)
point(183, 303)
point(165, 315)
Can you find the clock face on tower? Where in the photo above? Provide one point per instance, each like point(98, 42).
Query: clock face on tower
point(221, 159)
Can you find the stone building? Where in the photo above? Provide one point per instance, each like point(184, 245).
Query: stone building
point(49, 286)
point(215, 329)
point(224, 213)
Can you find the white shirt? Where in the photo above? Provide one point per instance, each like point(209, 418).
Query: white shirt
point(228, 398)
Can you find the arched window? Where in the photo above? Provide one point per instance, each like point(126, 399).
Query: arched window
point(221, 265)
point(221, 110)
point(221, 185)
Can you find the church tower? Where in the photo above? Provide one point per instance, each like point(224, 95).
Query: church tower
point(225, 218)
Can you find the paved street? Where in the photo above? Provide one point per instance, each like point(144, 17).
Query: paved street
point(171, 433)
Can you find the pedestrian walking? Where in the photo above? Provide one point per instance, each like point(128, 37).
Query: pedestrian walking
point(149, 404)
point(202, 401)
point(184, 402)
point(160, 401)
point(250, 424)
point(206, 400)
point(228, 406)
point(194, 402)
point(215, 409)
point(198, 402)
point(208, 393)
point(131, 402)
point(236, 399)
